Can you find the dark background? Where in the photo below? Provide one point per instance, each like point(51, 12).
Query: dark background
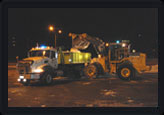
point(27, 26)
point(137, 110)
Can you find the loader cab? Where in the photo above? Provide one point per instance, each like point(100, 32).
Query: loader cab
point(118, 51)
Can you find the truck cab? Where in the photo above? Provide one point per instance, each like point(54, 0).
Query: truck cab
point(35, 65)
point(44, 63)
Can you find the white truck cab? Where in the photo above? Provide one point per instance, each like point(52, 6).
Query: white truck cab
point(38, 65)
point(44, 63)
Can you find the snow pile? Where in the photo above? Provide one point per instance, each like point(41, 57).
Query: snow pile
point(74, 50)
point(154, 69)
point(108, 93)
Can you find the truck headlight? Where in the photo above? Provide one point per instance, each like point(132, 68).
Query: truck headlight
point(18, 80)
point(123, 45)
point(21, 77)
point(39, 70)
point(24, 80)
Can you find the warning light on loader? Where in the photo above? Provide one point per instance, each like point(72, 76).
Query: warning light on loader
point(133, 50)
point(117, 41)
point(107, 44)
point(123, 45)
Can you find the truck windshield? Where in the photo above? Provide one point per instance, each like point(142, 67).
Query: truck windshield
point(39, 53)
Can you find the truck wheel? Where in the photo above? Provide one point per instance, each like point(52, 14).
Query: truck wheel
point(91, 71)
point(26, 83)
point(126, 72)
point(47, 78)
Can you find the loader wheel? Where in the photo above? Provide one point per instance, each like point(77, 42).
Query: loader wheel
point(47, 78)
point(91, 71)
point(126, 72)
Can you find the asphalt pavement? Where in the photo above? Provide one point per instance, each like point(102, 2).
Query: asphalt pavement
point(107, 91)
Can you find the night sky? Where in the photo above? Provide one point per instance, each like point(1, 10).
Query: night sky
point(30, 25)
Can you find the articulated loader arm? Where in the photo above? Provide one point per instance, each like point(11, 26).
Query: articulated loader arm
point(82, 41)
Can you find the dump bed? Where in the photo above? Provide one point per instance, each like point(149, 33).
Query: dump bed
point(74, 57)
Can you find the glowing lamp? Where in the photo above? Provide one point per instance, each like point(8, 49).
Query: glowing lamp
point(117, 41)
point(51, 28)
point(133, 50)
point(21, 77)
point(107, 44)
point(70, 34)
point(24, 80)
point(43, 46)
point(39, 70)
point(59, 31)
point(19, 80)
point(123, 45)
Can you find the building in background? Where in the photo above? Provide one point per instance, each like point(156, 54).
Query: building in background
point(12, 47)
point(12, 41)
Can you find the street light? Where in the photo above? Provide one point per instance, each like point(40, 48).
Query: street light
point(51, 28)
point(71, 35)
point(60, 31)
point(107, 44)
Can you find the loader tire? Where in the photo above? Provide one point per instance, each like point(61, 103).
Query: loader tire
point(126, 72)
point(91, 71)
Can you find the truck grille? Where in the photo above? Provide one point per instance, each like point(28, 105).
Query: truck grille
point(24, 67)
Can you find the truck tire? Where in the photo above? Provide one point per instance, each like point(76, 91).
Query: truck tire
point(91, 71)
point(126, 72)
point(47, 78)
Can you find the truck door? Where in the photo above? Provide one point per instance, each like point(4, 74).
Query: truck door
point(54, 58)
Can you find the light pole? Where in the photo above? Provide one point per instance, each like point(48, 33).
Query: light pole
point(52, 29)
point(71, 35)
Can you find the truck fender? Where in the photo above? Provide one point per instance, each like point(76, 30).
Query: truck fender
point(49, 69)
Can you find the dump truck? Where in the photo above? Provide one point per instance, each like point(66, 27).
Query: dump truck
point(113, 58)
point(45, 63)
